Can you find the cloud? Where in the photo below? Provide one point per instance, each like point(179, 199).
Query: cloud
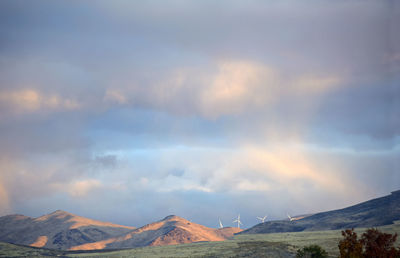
point(25, 100)
point(4, 201)
point(83, 187)
point(176, 107)
point(115, 96)
point(106, 160)
point(241, 86)
point(252, 168)
point(47, 175)
point(222, 88)
point(172, 184)
point(31, 100)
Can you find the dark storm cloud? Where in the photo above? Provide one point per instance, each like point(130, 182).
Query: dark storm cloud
point(368, 112)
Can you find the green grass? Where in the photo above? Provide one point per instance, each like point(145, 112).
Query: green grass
point(254, 245)
point(328, 239)
point(10, 250)
point(230, 248)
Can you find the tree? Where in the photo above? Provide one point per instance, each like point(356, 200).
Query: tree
point(311, 251)
point(373, 243)
point(350, 246)
point(378, 244)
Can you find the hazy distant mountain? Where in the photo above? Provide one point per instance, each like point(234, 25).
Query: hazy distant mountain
point(376, 212)
point(59, 230)
point(169, 231)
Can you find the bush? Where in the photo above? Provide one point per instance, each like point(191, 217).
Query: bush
point(373, 243)
point(379, 244)
point(311, 251)
point(350, 246)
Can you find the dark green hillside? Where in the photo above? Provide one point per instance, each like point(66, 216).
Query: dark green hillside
point(376, 212)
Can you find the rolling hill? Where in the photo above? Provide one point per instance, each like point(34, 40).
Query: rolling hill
point(372, 213)
point(65, 231)
point(57, 230)
point(171, 230)
point(251, 245)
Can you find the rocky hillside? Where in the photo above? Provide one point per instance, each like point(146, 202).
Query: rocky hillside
point(58, 230)
point(169, 231)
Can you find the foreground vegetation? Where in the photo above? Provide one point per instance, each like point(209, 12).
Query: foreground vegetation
point(372, 243)
point(254, 245)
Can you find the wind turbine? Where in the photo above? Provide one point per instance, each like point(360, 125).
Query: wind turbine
point(263, 218)
point(290, 218)
point(238, 221)
point(220, 223)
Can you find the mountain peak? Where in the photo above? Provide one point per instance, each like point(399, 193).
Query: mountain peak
point(171, 230)
point(60, 212)
point(59, 229)
point(172, 217)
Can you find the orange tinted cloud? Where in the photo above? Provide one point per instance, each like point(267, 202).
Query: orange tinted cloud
point(30, 100)
point(286, 165)
point(225, 87)
point(240, 86)
point(83, 187)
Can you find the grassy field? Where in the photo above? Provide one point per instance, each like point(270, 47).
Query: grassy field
point(328, 239)
point(255, 245)
point(230, 248)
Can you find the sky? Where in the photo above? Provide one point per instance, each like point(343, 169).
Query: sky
point(129, 111)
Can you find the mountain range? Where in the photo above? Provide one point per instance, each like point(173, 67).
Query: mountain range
point(66, 231)
point(171, 230)
point(57, 230)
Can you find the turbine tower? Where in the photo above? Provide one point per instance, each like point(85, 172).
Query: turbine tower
point(263, 218)
point(290, 218)
point(238, 221)
point(220, 223)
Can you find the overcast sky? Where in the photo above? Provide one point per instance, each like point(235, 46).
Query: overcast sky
point(128, 111)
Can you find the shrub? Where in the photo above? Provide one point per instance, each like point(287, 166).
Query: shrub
point(312, 251)
point(378, 244)
point(350, 246)
point(373, 243)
